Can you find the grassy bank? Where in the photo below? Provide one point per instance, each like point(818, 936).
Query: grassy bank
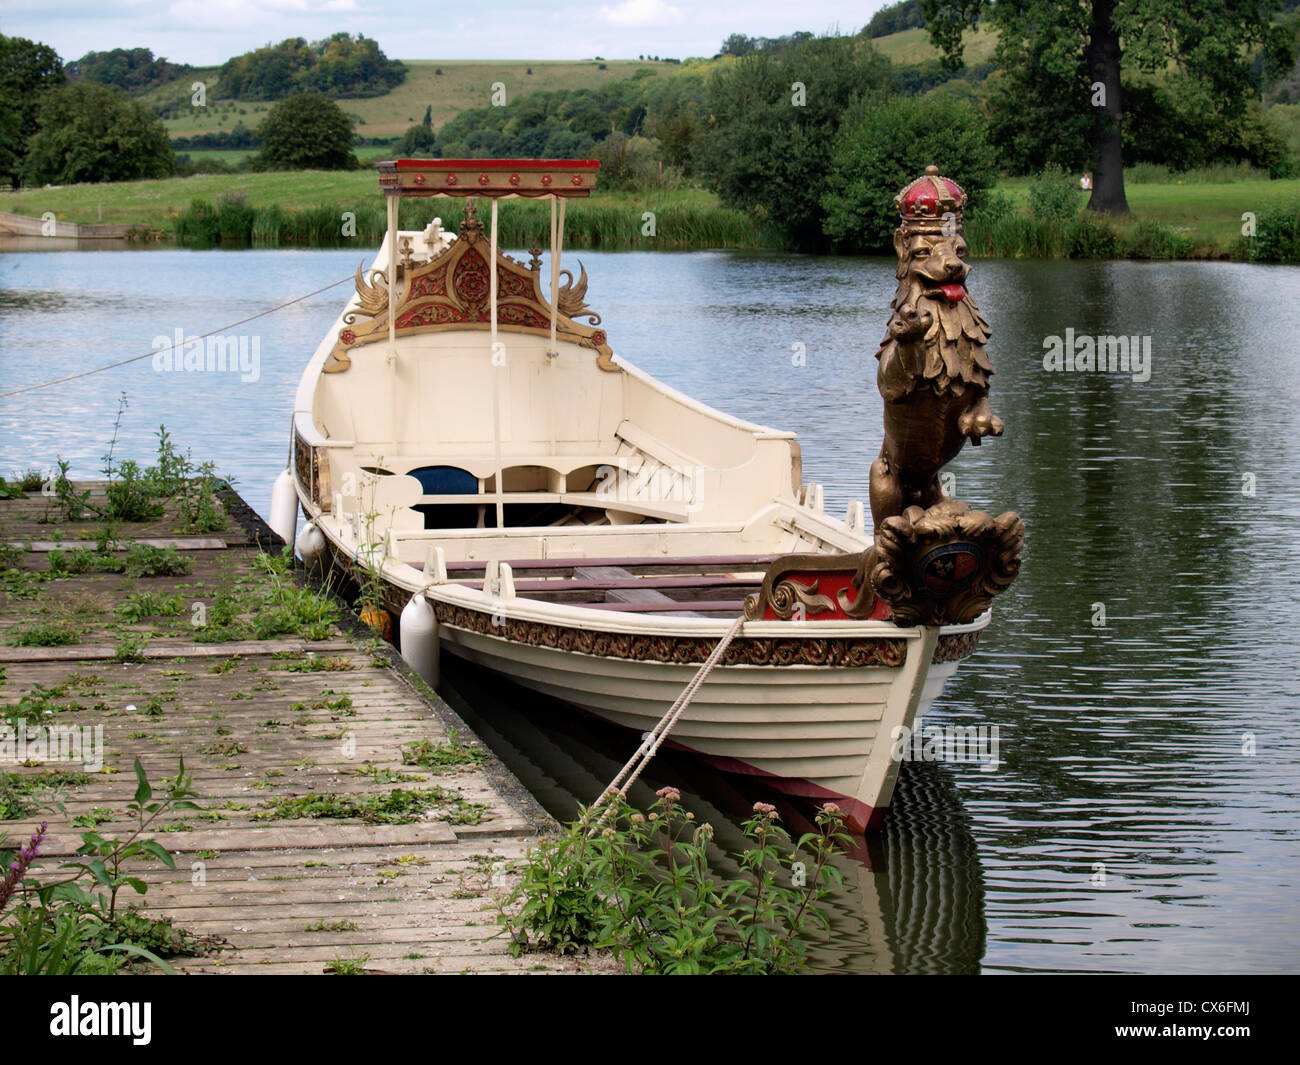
point(1196, 216)
point(1204, 208)
point(306, 209)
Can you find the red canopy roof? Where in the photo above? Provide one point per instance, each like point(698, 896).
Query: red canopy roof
point(488, 177)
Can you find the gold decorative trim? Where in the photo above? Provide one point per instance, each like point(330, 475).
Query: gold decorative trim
point(956, 646)
point(452, 291)
point(799, 651)
point(312, 468)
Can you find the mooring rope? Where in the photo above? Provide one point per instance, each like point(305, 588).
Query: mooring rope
point(652, 740)
point(154, 351)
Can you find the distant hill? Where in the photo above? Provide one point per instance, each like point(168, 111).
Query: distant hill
point(447, 86)
point(914, 47)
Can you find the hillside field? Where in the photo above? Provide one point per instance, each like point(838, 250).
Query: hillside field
point(463, 84)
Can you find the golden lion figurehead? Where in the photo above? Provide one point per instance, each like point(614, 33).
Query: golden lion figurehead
point(934, 316)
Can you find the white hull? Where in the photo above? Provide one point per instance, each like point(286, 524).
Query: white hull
point(823, 732)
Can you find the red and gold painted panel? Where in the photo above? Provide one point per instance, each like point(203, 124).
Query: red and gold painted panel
point(568, 178)
point(453, 291)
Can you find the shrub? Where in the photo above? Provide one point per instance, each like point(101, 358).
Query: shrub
point(1054, 197)
point(1277, 235)
point(1149, 239)
point(889, 143)
point(1089, 237)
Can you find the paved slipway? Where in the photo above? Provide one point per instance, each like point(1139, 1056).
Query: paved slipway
point(255, 724)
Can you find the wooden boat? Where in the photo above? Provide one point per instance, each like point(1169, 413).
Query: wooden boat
point(475, 455)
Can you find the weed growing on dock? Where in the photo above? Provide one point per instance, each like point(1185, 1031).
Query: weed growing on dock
point(129, 495)
point(39, 703)
point(224, 748)
point(78, 560)
point(316, 664)
point(93, 818)
point(24, 793)
point(139, 606)
point(341, 966)
point(66, 503)
point(130, 647)
point(639, 884)
point(397, 807)
point(47, 634)
point(441, 757)
point(268, 602)
point(332, 926)
point(144, 560)
point(341, 706)
point(73, 924)
point(384, 775)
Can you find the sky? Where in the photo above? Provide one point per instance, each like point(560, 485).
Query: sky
point(207, 32)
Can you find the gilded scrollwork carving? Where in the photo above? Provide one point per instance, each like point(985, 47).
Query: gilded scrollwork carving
point(943, 566)
point(452, 291)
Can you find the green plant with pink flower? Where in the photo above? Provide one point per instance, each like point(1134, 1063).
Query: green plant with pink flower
point(641, 885)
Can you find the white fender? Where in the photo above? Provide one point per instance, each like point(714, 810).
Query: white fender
point(418, 629)
point(311, 546)
point(284, 507)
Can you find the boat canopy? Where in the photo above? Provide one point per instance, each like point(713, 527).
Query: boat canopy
point(558, 180)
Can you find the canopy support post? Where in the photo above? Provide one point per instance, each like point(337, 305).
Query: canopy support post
point(496, 365)
point(392, 277)
point(553, 351)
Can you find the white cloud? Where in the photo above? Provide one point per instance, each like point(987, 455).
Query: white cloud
point(234, 14)
point(641, 14)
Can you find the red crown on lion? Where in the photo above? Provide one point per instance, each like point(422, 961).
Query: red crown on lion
point(924, 203)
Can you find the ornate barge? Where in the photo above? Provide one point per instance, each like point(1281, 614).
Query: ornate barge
point(474, 454)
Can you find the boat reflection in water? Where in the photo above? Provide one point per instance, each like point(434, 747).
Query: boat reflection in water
point(913, 898)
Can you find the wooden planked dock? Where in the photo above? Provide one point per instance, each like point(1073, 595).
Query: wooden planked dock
point(324, 719)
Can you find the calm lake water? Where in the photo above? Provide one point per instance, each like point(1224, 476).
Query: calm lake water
point(1146, 815)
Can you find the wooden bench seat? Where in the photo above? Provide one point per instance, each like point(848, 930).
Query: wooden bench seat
point(695, 563)
point(614, 579)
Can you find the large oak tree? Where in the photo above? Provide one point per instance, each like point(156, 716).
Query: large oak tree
point(90, 132)
point(1072, 52)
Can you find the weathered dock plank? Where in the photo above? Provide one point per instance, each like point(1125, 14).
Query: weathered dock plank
point(346, 817)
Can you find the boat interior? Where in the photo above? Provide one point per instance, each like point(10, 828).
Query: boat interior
point(469, 425)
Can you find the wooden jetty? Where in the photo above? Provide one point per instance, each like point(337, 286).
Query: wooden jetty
point(327, 720)
point(21, 225)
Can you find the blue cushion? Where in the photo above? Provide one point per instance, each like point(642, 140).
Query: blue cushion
point(445, 481)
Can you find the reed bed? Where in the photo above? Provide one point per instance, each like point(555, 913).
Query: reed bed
point(1019, 235)
point(230, 222)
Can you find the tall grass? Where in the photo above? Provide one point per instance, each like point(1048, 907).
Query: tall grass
point(1057, 226)
point(588, 224)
